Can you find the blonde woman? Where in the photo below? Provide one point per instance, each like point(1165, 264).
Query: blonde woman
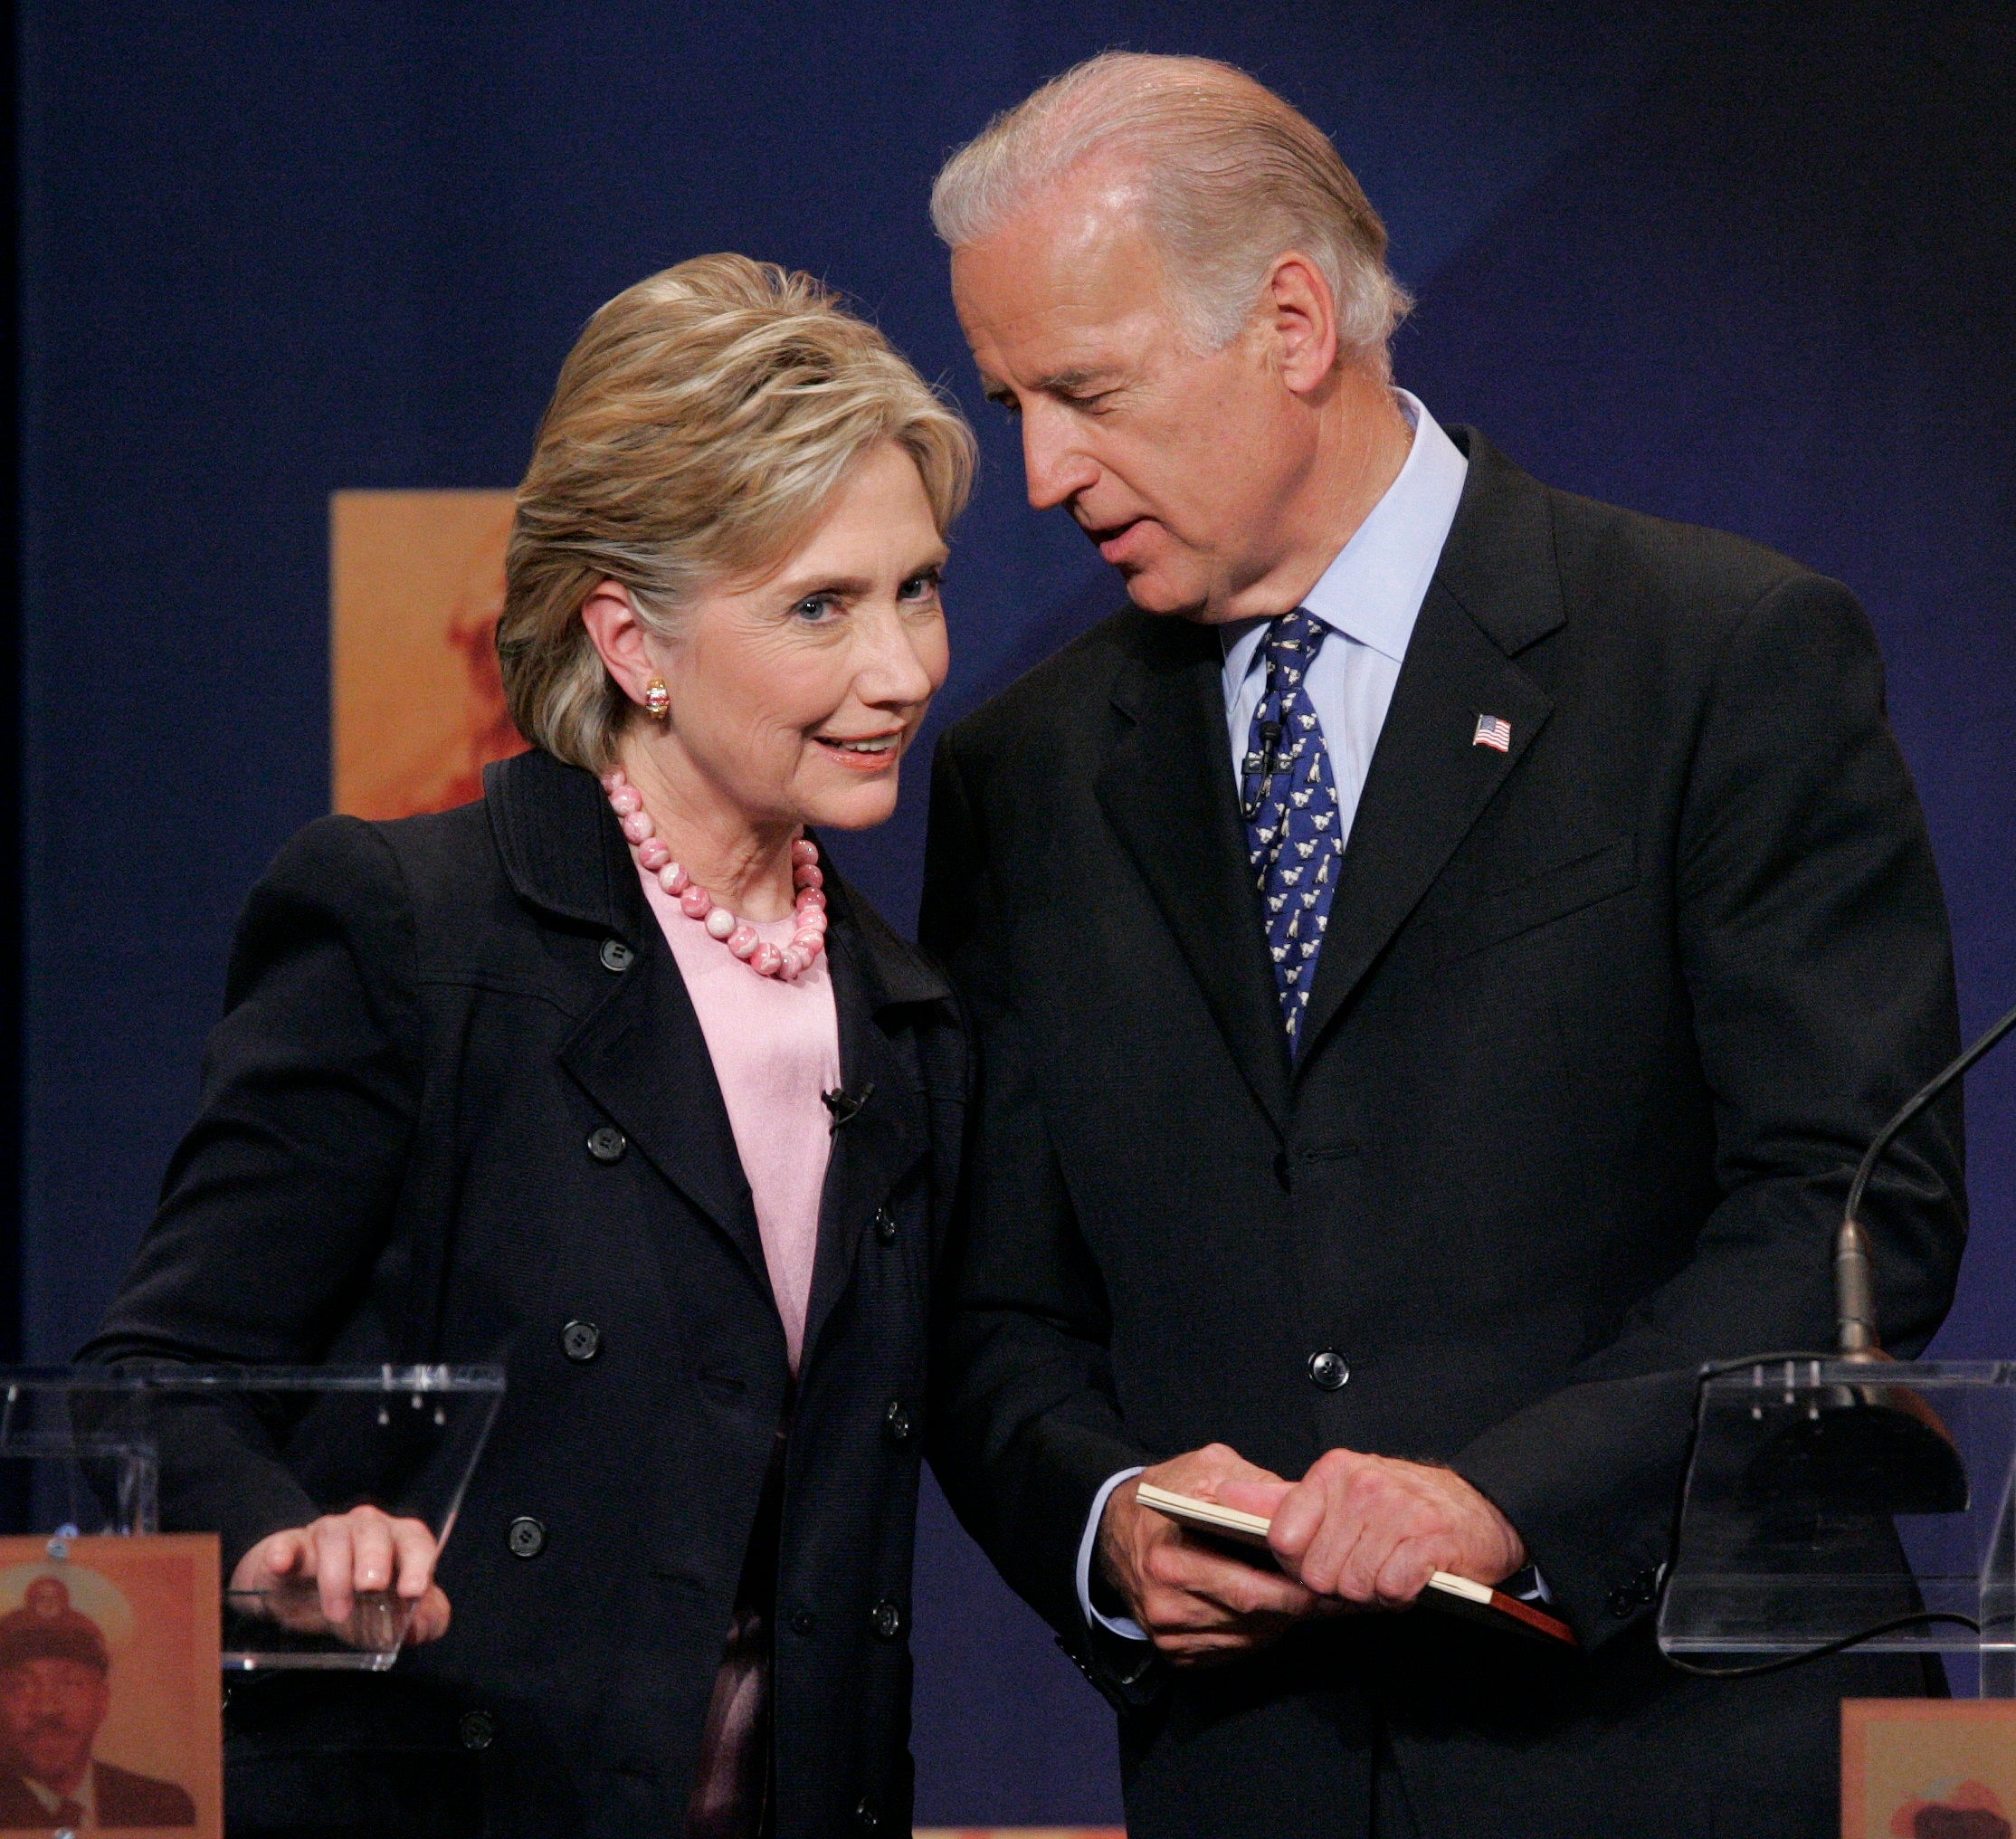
point(612, 1070)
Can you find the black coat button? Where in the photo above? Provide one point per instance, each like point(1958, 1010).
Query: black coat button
point(1327, 1369)
point(802, 1622)
point(1621, 1602)
point(606, 1143)
point(901, 1426)
point(525, 1537)
point(616, 955)
point(886, 1620)
point(885, 1225)
point(865, 1817)
point(478, 1730)
point(581, 1341)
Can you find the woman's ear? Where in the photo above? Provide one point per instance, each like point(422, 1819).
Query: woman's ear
point(619, 636)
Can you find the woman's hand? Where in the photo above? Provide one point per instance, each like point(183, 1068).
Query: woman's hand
point(310, 1579)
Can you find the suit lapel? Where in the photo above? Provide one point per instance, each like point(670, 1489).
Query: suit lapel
point(1496, 591)
point(873, 973)
point(1167, 791)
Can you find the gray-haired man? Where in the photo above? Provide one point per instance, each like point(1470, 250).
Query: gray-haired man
point(1428, 990)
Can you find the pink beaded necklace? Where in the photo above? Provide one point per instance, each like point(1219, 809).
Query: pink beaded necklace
point(739, 936)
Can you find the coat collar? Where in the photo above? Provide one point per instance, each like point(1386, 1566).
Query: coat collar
point(560, 843)
point(564, 852)
point(1500, 564)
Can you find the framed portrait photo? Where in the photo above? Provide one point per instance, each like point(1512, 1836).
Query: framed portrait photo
point(110, 1697)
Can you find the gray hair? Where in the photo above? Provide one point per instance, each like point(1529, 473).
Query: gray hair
point(1228, 175)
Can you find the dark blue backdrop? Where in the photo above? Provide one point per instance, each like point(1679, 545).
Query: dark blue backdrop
point(1748, 265)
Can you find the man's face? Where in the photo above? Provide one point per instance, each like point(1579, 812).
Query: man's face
point(50, 1711)
point(1175, 462)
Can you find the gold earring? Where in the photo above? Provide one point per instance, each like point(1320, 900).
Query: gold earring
point(657, 700)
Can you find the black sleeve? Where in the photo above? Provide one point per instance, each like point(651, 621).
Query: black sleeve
point(1026, 1426)
point(280, 1198)
point(1813, 942)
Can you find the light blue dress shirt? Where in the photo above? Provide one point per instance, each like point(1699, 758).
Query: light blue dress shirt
point(1369, 597)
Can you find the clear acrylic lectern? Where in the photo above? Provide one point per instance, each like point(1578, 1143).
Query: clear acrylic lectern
point(240, 1451)
point(1829, 1497)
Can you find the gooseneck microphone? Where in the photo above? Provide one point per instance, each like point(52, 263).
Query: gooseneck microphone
point(1876, 1448)
point(1854, 1275)
point(1865, 1449)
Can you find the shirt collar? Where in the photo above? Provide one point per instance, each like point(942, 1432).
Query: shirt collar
point(1374, 589)
point(85, 1795)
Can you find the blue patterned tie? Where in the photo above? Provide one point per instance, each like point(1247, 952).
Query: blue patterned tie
point(1291, 813)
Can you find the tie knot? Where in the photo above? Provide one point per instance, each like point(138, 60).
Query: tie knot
point(1294, 638)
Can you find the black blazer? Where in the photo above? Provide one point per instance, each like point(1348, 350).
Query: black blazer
point(1599, 1026)
point(425, 1022)
point(120, 1797)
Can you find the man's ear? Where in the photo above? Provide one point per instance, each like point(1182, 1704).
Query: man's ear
point(619, 636)
point(1301, 314)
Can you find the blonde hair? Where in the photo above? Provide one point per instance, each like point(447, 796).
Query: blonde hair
point(700, 423)
point(1229, 177)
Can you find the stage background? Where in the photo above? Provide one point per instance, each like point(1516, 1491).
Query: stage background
point(1749, 265)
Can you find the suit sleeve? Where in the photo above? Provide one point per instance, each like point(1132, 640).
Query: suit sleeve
point(1027, 1427)
point(279, 1201)
point(1813, 940)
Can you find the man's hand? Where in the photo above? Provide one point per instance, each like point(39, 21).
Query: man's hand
point(1368, 1532)
point(1196, 1603)
point(310, 1579)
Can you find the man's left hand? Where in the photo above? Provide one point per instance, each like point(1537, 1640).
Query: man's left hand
point(1369, 1531)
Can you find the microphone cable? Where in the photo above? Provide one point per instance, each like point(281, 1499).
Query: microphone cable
point(1839, 1646)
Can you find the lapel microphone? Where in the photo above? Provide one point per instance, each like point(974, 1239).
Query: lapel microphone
point(1269, 763)
point(845, 1105)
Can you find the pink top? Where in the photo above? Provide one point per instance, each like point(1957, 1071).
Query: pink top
point(775, 1047)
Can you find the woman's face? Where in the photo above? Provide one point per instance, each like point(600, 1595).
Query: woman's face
point(795, 697)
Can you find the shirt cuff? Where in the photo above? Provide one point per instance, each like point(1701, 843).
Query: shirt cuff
point(1125, 1626)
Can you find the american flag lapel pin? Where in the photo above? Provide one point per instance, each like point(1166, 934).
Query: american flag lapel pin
point(1493, 731)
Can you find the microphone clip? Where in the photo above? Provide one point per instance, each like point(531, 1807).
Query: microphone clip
point(844, 1105)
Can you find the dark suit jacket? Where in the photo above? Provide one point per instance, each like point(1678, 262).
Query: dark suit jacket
point(1599, 1026)
point(423, 1030)
point(123, 1799)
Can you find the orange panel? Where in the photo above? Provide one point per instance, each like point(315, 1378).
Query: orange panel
point(1924, 1769)
point(416, 585)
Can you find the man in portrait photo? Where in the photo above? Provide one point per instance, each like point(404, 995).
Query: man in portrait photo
point(1436, 956)
point(55, 1690)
